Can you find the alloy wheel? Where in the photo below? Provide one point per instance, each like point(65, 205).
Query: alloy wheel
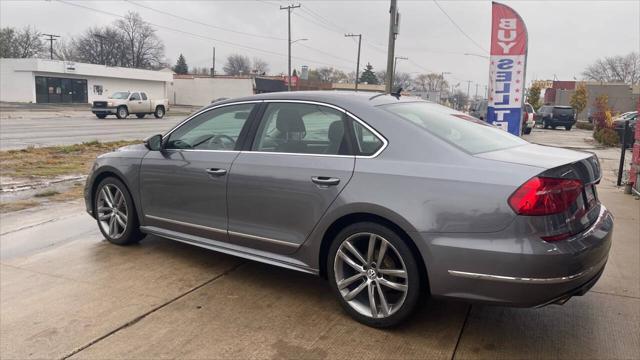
point(371, 275)
point(112, 211)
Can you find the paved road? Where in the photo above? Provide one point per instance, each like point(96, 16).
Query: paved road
point(53, 129)
point(66, 292)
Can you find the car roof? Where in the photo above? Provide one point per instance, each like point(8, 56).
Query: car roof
point(343, 99)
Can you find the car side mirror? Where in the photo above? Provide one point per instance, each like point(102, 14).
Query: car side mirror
point(153, 143)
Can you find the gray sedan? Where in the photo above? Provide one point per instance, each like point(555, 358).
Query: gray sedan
point(387, 198)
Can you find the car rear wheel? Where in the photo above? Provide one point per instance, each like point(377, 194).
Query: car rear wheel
point(527, 131)
point(101, 116)
point(122, 112)
point(374, 274)
point(544, 124)
point(115, 213)
point(140, 116)
point(568, 127)
point(159, 113)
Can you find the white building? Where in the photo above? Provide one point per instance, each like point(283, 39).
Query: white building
point(55, 81)
point(201, 90)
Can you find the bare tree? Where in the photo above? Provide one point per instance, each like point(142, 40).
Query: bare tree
point(260, 66)
point(430, 82)
point(332, 75)
point(144, 49)
point(402, 80)
point(106, 45)
point(24, 43)
point(382, 76)
point(237, 65)
point(624, 69)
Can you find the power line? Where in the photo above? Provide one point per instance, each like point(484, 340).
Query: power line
point(197, 35)
point(205, 24)
point(459, 28)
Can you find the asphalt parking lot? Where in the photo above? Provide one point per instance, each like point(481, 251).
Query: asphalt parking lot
point(66, 293)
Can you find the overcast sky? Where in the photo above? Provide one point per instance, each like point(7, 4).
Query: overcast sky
point(564, 36)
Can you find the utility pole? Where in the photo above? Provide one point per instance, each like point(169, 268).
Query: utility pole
point(289, 8)
point(213, 65)
point(476, 91)
point(468, 87)
point(441, 83)
point(393, 32)
point(359, 36)
point(51, 39)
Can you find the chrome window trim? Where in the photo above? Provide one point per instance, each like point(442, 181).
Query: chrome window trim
point(526, 280)
point(380, 137)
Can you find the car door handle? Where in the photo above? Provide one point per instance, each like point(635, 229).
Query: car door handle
point(326, 181)
point(216, 171)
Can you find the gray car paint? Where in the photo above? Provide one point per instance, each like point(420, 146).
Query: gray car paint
point(451, 205)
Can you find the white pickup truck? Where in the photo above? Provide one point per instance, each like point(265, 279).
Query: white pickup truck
point(123, 103)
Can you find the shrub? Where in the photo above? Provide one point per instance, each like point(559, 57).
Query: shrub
point(607, 137)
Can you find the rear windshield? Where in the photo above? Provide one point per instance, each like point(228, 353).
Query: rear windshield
point(562, 111)
point(468, 133)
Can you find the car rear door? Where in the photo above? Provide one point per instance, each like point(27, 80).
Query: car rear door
point(297, 164)
point(184, 186)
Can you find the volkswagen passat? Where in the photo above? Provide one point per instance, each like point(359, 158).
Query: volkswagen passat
point(387, 198)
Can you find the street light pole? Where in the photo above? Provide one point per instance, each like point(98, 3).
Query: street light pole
point(289, 8)
point(359, 36)
point(395, 64)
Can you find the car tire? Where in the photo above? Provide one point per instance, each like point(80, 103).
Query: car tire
point(159, 113)
point(400, 290)
point(122, 112)
point(527, 131)
point(568, 127)
point(140, 116)
point(544, 124)
point(101, 116)
point(115, 213)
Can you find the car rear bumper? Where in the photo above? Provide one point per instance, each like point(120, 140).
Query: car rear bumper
point(516, 271)
point(561, 122)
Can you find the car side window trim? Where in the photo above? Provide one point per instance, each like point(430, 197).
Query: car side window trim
point(256, 116)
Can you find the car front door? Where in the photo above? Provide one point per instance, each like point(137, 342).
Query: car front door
point(184, 186)
point(146, 103)
point(297, 164)
point(135, 103)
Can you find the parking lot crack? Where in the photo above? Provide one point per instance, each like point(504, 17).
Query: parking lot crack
point(151, 311)
point(464, 324)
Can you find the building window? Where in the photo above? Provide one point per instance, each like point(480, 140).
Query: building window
point(97, 89)
point(60, 90)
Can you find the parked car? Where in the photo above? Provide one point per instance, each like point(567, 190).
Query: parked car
point(123, 103)
point(552, 116)
point(387, 198)
point(528, 119)
point(618, 125)
point(479, 109)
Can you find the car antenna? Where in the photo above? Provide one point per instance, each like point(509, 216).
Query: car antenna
point(397, 93)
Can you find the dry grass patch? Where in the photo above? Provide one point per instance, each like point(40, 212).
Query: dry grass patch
point(54, 161)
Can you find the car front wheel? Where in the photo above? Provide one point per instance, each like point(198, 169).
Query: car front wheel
point(374, 274)
point(122, 112)
point(115, 213)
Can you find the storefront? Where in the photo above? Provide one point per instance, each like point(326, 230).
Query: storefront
point(60, 90)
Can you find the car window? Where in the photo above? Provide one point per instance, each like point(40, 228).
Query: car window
point(144, 96)
point(119, 95)
point(135, 96)
point(216, 129)
point(563, 111)
point(301, 128)
point(468, 133)
point(367, 143)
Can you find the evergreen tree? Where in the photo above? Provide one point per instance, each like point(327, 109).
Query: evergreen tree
point(181, 66)
point(368, 76)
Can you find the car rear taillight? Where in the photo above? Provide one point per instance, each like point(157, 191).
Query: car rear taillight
point(545, 196)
